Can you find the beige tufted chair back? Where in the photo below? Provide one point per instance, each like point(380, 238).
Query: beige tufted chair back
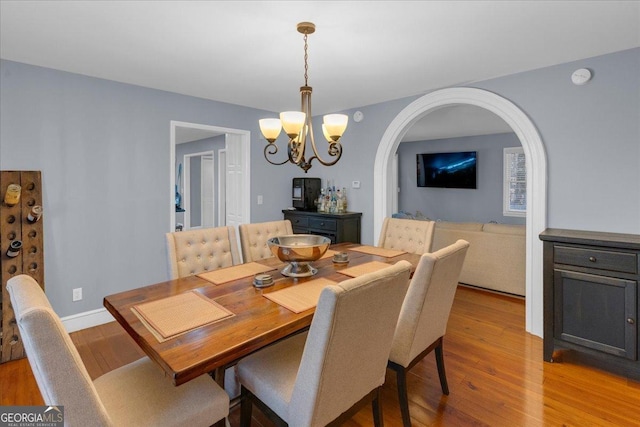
point(253, 238)
point(410, 235)
point(207, 249)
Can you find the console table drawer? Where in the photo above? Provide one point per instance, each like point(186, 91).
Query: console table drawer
point(623, 262)
point(296, 221)
point(323, 224)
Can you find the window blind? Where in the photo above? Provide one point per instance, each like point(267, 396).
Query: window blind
point(515, 182)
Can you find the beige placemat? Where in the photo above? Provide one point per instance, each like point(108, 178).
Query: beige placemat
point(169, 317)
point(374, 250)
point(359, 270)
point(329, 254)
point(301, 297)
point(228, 274)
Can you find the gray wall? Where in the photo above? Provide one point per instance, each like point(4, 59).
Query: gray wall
point(590, 133)
point(103, 149)
point(482, 204)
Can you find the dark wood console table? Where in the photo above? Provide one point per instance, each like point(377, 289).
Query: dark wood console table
point(339, 227)
point(591, 299)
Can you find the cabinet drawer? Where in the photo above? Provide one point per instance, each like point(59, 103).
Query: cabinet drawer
point(592, 258)
point(323, 224)
point(297, 221)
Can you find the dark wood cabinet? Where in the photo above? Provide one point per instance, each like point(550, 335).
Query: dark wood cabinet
point(339, 227)
point(591, 299)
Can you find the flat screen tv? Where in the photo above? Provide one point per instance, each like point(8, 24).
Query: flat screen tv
point(447, 170)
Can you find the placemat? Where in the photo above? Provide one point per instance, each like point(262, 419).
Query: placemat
point(169, 317)
point(301, 297)
point(228, 274)
point(374, 250)
point(359, 270)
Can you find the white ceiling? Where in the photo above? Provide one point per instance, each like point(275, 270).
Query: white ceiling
point(363, 52)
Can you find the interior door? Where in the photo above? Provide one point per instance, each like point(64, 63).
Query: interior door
point(235, 180)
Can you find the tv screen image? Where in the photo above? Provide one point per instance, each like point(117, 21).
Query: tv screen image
point(447, 170)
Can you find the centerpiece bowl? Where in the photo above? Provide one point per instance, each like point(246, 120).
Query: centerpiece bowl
point(299, 250)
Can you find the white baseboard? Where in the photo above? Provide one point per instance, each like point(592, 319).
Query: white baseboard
point(87, 319)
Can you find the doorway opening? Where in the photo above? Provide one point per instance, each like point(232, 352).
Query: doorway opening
point(199, 198)
point(385, 181)
point(236, 168)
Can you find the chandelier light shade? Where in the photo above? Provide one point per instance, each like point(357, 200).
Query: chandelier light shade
point(298, 124)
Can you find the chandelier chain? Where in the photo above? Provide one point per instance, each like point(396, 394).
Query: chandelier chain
point(306, 57)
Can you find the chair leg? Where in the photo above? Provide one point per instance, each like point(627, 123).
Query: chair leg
point(403, 398)
point(246, 406)
point(376, 404)
point(441, 372)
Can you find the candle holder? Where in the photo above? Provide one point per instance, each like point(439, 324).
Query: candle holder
point(35, 214)
point(12, 195)
point(14, 249)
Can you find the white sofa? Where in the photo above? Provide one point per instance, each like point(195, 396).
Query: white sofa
point(496, 256)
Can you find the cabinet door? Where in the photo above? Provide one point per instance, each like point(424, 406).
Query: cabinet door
point(596, 312)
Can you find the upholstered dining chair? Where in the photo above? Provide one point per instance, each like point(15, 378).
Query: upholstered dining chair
point(137, 394)
point(205, 249)
point(323, 377)
point(423, 319)
point(200, 250)
point(410, 235)
point(253, 238)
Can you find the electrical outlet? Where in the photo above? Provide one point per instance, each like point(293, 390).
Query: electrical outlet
point(355, 184)
point(77, 294)
point(260, 200)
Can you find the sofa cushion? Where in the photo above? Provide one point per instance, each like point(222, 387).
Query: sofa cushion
point(466, 226)
point(496, 256)
point(504, 229)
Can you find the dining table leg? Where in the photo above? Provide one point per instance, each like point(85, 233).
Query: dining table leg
point(218, 376)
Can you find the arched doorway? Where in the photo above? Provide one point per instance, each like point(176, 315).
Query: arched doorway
point(385, 182)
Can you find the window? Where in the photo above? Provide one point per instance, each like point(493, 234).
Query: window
point(515, 182)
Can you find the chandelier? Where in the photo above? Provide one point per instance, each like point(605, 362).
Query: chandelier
point(298, 127)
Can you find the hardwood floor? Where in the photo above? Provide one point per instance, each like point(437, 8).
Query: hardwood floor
point(495, 371)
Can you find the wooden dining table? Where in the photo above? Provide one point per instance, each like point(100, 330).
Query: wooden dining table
point(256, 322)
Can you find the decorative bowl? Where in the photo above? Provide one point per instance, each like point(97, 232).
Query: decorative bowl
point(299, 250)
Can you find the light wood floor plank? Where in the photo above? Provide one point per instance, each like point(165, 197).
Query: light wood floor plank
point(494, 368)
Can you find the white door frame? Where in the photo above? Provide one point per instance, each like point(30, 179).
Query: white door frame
point(222, 189)
point(384, 181)
point(245, 140)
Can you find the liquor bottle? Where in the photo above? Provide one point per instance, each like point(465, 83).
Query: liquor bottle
point(344, 199)
point(339, 202)
point(321, 203)
point(327, 200)
point(334, 201)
